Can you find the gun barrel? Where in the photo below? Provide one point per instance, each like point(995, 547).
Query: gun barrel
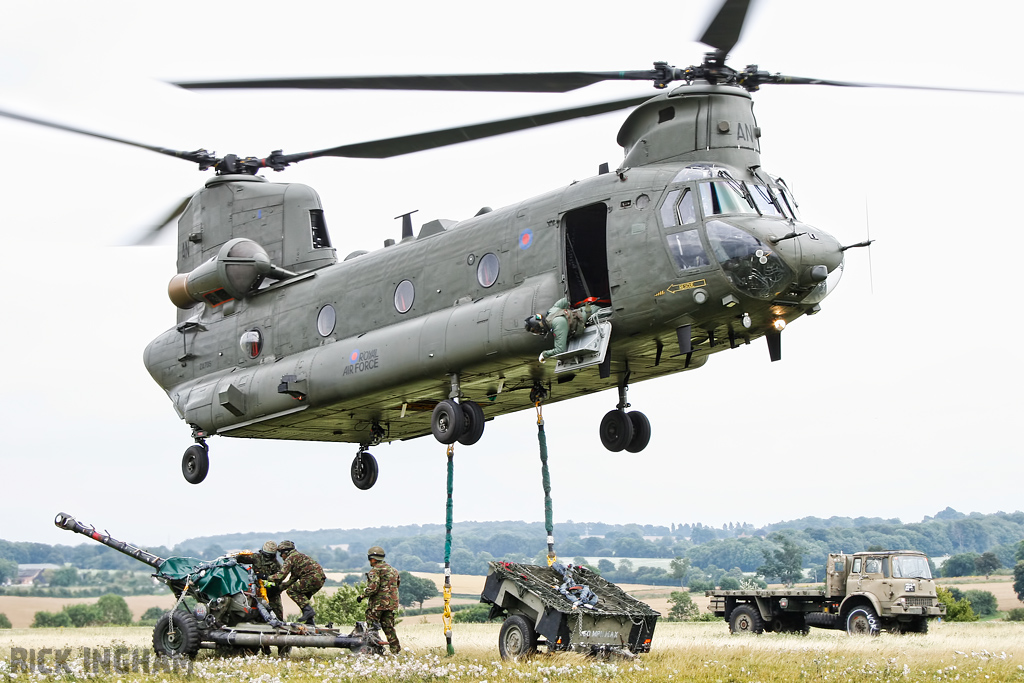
point(65, 521)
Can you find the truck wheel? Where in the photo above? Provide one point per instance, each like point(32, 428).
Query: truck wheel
point(616, 430)
point(195, 464)
point(517, 638)
point(473, 420)
point(862, 621)
point(641, 431)
point(746, 619)
point(821, 620)
point(918, 625)
point(182, 641)
point(447, 421)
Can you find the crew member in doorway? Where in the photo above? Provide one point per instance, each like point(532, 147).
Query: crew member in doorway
point(381, 595)
point(306, 577)
point(561, 320)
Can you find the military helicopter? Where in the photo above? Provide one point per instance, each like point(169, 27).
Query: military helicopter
point(688, 248)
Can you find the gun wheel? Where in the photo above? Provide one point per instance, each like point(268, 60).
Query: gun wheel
point(176, 635)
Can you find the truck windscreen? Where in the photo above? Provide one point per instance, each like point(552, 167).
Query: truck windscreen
point(910, 567)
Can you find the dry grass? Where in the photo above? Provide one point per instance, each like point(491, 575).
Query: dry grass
point(989, 652)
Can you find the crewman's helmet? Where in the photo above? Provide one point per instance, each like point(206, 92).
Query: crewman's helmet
point(285, 546)
point(535, 324)
point(375, 553)
point(269, 548)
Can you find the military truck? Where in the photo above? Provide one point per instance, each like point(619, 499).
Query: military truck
point(864, 593)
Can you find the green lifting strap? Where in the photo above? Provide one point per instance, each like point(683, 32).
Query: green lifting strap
point(446, 616)
point(546, 479)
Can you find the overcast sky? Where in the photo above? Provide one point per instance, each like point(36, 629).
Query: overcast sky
point(901, 397)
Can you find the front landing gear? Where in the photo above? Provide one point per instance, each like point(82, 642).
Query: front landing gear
point(195, 464)
point(621, 430)
point(364, 470)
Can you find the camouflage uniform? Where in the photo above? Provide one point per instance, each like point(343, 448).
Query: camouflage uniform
point(307, 577)
point(565, 323)
point(265, 566)
point(381, 597)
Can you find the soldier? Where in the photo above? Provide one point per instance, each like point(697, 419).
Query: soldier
point(265, 565)
point(561, 320)
point(381, 595)
point(307, 577)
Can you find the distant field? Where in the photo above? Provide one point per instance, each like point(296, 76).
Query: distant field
point(703, 652)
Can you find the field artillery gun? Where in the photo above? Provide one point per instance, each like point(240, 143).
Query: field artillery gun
point(231, 612)
point(571, 608)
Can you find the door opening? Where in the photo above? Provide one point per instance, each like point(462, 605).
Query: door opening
point(586, 254)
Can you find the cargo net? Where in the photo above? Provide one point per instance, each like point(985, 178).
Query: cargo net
point(546, 583)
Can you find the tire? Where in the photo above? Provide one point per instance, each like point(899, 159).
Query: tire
point(473, 423)
point(616, 430)
point(195, 464)
point(183, 642)
point(918, 625)
point(364, 470)
point(822, 620)
point(517, 638)
point(746, 619)
point(862, 621)
point(641, 431)
point(447, 421)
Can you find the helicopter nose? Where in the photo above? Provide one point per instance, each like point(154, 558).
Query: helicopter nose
point(820, 255)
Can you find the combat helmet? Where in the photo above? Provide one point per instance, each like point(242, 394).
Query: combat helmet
point(376, 552)
point(285, 545)
point(269, 548)
point(536, 324)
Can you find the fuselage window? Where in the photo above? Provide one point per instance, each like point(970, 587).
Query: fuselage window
point(750, 265)
point(722, 196)
point(405, 293)
point(251, 343)
point(487, 270)
point(325, 320)
point(686, 250)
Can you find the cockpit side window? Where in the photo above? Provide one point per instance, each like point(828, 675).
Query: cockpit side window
point(678, 208)
point(687, 250)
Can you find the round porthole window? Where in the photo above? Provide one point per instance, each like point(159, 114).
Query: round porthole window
point(405, 293)
point(251, 343)
point(325, 320)
point(487, 270)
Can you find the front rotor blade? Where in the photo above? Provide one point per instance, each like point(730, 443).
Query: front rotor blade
point(199, 156)
point(407, 144)
point(151, 233)
point(800, 80)
point(557, 81)
point(724, 30)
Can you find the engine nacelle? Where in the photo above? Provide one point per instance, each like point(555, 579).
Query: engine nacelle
point(237, 269)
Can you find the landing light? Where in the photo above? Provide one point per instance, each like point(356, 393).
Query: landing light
point(745, 320)
point(779, 324)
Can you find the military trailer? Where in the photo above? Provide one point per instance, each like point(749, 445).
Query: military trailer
point(231, 613)
point(864, 593)
point(543, 608)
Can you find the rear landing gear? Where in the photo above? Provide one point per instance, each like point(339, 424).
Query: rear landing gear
point(461, 421)
point(364, 470)
point(621, 430)
point(195, 464)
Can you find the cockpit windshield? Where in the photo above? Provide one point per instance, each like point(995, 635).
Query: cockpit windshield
point(725, 196)
point(764, 200)
point(910, 567)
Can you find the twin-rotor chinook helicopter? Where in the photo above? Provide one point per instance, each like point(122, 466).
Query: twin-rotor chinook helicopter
point(687, 249)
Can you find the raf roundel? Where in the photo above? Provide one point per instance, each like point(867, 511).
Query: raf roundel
point(354, 357)
point(525, 239)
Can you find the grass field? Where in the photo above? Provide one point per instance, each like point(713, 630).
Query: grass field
point(990, 652)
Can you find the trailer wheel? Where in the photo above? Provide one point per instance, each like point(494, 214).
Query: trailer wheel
point(517, 638)
point(862, 621)
point(746, 619)
point(182, 641)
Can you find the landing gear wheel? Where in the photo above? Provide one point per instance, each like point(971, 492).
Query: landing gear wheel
point(473, 423)
point(195, 464)
point(862, 621)
point(746, 619)
point(364, 470)
point(183, 641)
point(447, 421)
point(616, 430)
point(641, 431)
point(517, 638)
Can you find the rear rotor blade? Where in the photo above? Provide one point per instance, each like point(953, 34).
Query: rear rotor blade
point(556, 81)
point(150, 234)
point(799, 80)
point(201, 156)
point(724, 30)
point(407, 144)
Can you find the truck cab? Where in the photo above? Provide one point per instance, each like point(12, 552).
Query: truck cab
point(875, 590)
